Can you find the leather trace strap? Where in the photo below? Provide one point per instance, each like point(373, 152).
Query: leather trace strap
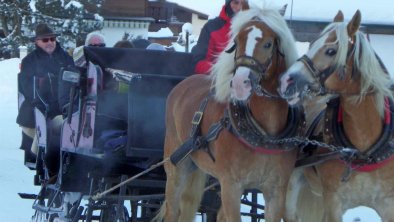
point(197, 141)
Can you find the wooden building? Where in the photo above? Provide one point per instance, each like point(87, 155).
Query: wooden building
point(139, 17)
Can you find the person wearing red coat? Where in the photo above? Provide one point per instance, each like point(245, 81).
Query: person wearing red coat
point(214, 37)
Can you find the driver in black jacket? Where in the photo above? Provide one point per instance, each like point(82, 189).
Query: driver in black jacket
point(42, 65)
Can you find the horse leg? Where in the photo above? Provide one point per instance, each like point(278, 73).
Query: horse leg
point(231, 193)
point(332, 207)
point(384, 210)
point(176, 182)
point(220, 216)
point(304, 201)
point(274, 203)
point(176, 178)
point(192, 195)
point(297, 181)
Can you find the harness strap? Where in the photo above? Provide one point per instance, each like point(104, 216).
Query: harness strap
point(199, 142)
point(195, 140)
point(314, 124)
point(198, 115)
point(318, 159)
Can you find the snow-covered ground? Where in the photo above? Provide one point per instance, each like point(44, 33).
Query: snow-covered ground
point(15, 177)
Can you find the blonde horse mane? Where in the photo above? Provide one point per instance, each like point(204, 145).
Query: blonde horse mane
point(373, 75)
point(222, 71)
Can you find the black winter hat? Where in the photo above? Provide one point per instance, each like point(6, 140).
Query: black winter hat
point(42, 31)
point(229, 11)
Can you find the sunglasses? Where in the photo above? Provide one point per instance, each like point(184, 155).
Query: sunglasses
point(97, 45)
point(45, 40)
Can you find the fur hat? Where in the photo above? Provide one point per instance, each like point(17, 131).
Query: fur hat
point(42, 31)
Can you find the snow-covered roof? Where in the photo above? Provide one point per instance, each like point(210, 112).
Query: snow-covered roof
point(163, 32)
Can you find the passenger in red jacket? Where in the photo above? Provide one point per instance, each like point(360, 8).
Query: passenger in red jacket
point(214, 37)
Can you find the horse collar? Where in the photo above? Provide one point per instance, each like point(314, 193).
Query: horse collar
point(377, 154)
point(246, 128)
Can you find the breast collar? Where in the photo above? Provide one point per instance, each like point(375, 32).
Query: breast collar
point(378, 154)
point(249, 132)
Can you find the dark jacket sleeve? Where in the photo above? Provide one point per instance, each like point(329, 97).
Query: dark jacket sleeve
point(201, 62)
point(26, 89)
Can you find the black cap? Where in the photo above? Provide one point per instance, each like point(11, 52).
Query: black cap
point(42, 31)
point(229, 11)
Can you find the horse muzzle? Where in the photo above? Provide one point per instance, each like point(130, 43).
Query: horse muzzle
point(241, 86)
point(294, 87)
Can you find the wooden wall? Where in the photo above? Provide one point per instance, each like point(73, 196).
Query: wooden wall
point(124, 8)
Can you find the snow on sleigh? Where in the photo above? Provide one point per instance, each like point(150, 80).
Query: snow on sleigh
point(110, 141)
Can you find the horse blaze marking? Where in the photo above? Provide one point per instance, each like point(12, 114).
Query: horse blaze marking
point(251, 42)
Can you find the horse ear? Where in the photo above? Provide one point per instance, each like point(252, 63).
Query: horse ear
point(282, 11)
point(339, 17)
point(245, 5)
point(354, 24)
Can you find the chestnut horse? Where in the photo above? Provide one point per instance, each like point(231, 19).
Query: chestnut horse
point(359, 116)
point(246, 104)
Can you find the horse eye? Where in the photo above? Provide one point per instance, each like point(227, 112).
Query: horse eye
point(331, 52)
point(268, 45)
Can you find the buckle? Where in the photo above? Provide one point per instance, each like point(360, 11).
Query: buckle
point(197, 117)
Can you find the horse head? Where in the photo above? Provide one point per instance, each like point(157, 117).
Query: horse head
point(337, 62)
point(261, 47)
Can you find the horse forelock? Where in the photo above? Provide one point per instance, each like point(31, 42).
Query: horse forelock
point(341, 39)
point(223, 69)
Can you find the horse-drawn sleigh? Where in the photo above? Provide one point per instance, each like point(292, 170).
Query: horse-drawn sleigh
point(233, 126)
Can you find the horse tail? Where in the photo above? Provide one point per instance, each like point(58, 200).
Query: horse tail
point(304, 200)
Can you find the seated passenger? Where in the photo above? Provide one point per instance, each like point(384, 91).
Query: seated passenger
point(95, 39)
point(41, 69)
point(214, 37)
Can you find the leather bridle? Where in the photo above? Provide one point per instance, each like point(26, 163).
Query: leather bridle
point(322, 75)
point(258, 69)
